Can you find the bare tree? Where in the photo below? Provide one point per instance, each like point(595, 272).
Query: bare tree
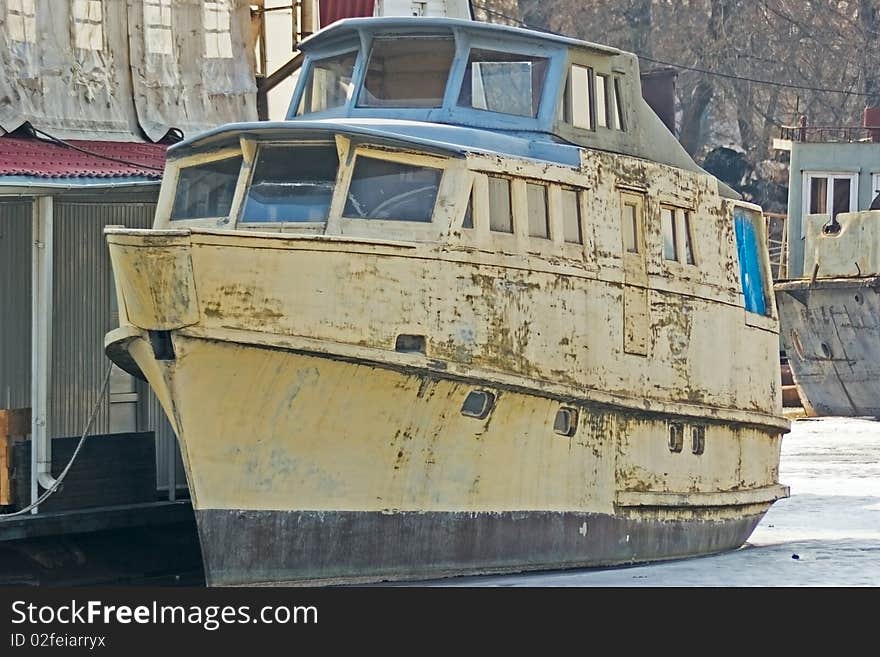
point(746, 67)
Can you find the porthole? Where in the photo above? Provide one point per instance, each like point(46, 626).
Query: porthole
point(698, 439)
point(826, 350)
point(858, 298)
point(478, 404)
point(676, 437)
point(566, 422)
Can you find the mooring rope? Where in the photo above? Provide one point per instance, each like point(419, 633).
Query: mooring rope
point(82, 440)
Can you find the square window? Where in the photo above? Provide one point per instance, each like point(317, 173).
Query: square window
point(391, 191)
point(536, 198)
point(602, 101)
point(630, 227)
point(500, 216)
point(571, 217)
point(503, 82)
point(617, 103)
point(818, 195)
point(667, 227)
point(578, 104)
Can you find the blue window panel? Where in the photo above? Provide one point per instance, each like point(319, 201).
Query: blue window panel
point(751, 273)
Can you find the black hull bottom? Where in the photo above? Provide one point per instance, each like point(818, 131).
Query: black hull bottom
point(333, 547)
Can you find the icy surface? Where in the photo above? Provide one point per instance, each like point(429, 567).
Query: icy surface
point(826, 534)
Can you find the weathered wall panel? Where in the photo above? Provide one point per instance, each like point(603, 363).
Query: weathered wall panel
point(84, 304)
point(15, 304)
point(107, 76)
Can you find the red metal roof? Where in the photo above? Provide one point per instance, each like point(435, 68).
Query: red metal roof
point(43, 159)
point(334, 10)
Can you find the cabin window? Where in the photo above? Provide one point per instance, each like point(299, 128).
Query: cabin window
point(578, 103)
point(88, 24)
point(218, 34)
point(617, 103)
point(749, 247)
point(21, 21)
point(630, 226)
point(206, 190)
point(500, 215)
point(536, 199)
point(503, 82)
point(468, 221)
point(329, 84)
point(687, 233)
point(157, 24)
point(571, 217)
point(407, 72)
point(667, 227)
point(602, 101)
point(291, 184)
point(392, 191)
point(675, 226)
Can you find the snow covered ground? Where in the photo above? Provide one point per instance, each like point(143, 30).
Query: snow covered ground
point(826, 534)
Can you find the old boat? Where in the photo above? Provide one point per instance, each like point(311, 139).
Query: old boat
point(831, 317)
point(472, 309)
point(829, 299)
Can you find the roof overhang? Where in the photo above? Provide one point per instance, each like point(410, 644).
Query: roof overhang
point(442, 139)
point(38, 186)
point(406, 25)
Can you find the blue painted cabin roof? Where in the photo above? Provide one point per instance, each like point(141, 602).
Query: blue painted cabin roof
point(433, 137)
point(403, 25)
point(455, 128)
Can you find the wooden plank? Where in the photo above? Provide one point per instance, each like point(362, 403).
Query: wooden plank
point(15, 422)
point(15, 425)
point(790, 396)
point(5, 474)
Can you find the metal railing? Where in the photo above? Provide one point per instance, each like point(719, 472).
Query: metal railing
point(829, 133)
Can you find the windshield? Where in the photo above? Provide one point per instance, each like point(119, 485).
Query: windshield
point(503, 82)
point(329, 84)
point(206, 190)
point(392, 191)
point(291, 184)
point(409, 72)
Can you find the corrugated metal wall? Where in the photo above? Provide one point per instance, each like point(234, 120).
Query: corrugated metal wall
point(15, 303)
point(84, 310)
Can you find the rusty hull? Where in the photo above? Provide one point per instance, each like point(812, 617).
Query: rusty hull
point(316, 452)
point(831, 336)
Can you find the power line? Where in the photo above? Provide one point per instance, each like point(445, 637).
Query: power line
point(731, 76)
point(755, 80)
